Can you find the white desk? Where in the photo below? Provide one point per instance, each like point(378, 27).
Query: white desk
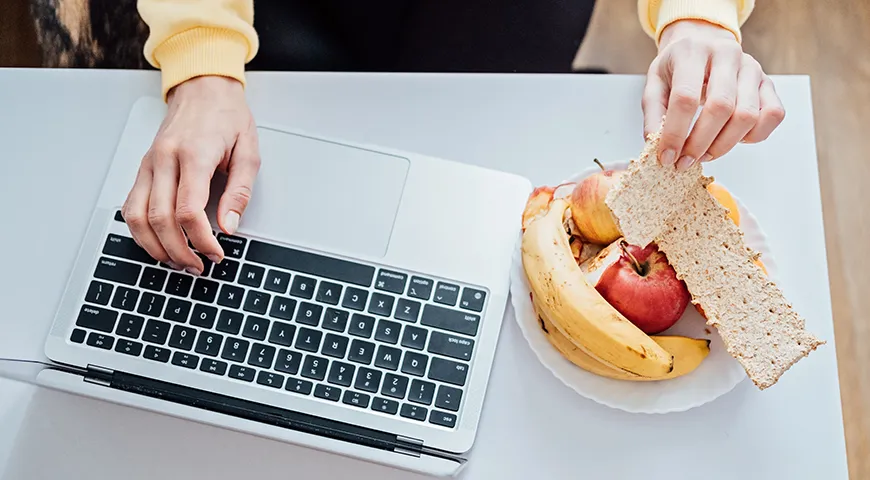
point(57, 134)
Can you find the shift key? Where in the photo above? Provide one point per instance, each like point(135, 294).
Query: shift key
point(117, 271)
point(449, 319)
point(125, 247)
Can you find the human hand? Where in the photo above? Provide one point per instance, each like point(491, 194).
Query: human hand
point(700, 63)
point(208, 127)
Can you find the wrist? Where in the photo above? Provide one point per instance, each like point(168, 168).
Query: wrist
point(693, 28)
point(206, 85)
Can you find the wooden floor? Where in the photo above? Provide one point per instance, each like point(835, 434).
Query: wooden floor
point(828, 40)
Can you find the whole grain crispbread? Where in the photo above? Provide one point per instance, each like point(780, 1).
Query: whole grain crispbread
point(654, 203)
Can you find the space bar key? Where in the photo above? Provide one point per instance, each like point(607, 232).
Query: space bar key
point(310, 263)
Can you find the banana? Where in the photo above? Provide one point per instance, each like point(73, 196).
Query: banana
point(576, 309)
point(688, 353)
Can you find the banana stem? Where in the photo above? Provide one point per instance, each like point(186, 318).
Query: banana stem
point(637, 266)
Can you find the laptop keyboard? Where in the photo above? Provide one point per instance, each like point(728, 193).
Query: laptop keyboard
point(308, 324)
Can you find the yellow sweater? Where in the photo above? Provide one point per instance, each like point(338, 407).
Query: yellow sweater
point(216, 37)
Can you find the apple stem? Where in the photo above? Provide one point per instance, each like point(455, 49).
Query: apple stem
point(599, 164)
point(637, 266)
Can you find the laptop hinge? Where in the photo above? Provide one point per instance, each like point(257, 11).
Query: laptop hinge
point(99, 375)
point(409, 446)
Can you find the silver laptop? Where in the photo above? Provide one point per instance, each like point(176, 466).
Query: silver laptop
point(357, 310)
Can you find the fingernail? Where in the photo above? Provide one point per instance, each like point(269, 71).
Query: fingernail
point(667, 157)
point(173, 265)
point(193, 271)
point(214, 258)
point(706, 158)
point(231, 221)
point(685, 162)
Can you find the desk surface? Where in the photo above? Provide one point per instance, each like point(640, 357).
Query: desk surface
point(58, 130)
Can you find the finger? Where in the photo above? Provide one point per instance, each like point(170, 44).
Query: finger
point(745, 113)
point(161, 215)
point(685, 96)
point(135, 213)
point(772, 113)
point(193, 191)
point(242, 172)
point(653, 102)
point(718, 106)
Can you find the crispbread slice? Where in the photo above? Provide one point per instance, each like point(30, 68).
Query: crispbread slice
point(674, 209)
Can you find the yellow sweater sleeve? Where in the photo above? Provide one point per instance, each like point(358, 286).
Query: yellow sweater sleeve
point(199, 37)
point(655, 15)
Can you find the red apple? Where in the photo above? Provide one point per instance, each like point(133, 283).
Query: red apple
point(591, 215)
point(640, 284)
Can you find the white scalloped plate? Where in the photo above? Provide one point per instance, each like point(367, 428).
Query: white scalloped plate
point(716, 376)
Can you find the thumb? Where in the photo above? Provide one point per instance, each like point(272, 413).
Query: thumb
point(242, 172)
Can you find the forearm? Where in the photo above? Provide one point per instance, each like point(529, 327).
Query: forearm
point(655, 15)
point(199, 37)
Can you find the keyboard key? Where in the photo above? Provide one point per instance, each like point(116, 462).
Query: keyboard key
point(448, 319)
point(388, 357)
point(209, 344)
point(388, 332)
point(262, 356)
point(472, 299)
point(117, 271)
point(361, 352)
point(257, 302)
point(230, 322)
point(384, 405)
point(308, 340)
point(125, 299)
point(334, 345)
point(204, 290)
point(407, 310)
point(233, 246)
point(329, 292)
point(381, 305)
point(179, 284)
point(242, 373)
point(361, 325)
point(157, 354)
point(283, 308)
point(206, 264)
point(185, 360)
point(277, 281)
point(252, 275)
point(213, 366)
point(151, 304)
point(413, 411)
point(355, 299)
point(394, 385)
point(303, 287)
point(230, 296)
point(156, 332)
point(125, 247)
point(335, 320)
point(327, 392)
point(182, 338)
point(235, 349)
point(309, 314)
point(368, 380)
point(414, 337)
point(270, 379)
point(341, 374)
point(203, 316)
point(153, 279)
point(451, 345)
point(446, 293)
point(99, 293)
point(421, 392)
point(302, 387)
point(288, 361)
point(177, 310)
point(390, 281)
point(448, 371)
point(442, 418)
point(282, 334)
point(448, 398)
point(415, 364)
point(310, 263)
point(78, 336)
point(356, 399)
point(420, 288)
point(255, 327)
point(96, 318)
point(314, 367)
point(226, 270)
point(119, 217)
point(100, 341)
point(130, 326)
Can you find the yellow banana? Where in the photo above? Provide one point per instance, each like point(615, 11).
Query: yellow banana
point(576, 309)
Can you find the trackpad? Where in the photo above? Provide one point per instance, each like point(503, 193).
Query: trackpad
point(325, 195)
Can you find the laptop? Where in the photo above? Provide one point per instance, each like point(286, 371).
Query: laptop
point(357, 310)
